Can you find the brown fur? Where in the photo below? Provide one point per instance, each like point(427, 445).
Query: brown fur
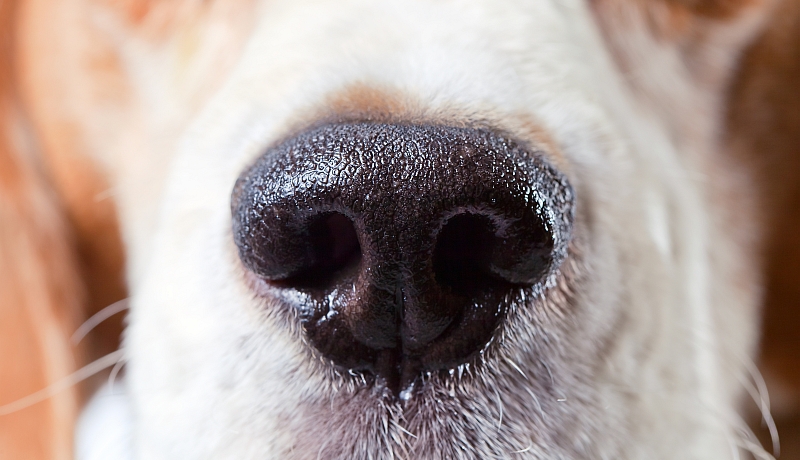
point(81, 184)
point(60, 261)
point(40, 294)
point(764, 132)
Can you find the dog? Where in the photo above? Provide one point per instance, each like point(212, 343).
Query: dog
point(395, 229)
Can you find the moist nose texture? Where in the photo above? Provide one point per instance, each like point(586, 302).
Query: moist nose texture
point(407, 242)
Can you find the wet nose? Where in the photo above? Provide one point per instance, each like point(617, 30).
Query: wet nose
point(401, 247)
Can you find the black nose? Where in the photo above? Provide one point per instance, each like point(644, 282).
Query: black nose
point(402, 246)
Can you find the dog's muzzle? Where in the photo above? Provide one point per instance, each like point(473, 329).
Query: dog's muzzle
point(402, 245)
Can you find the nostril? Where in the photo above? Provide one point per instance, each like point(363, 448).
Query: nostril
point(463, 254)
point(335, 251)
point(352, 214)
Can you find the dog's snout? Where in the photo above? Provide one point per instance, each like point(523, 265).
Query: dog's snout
point(405, 243)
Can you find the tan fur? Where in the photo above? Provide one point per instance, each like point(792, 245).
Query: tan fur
point(39, 296)
point(763, 127)
point(40, 293)
point(82, 184)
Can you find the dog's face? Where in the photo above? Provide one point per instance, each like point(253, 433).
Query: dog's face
point(426, 230)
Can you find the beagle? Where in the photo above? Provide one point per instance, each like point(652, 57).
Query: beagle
point(399, 229)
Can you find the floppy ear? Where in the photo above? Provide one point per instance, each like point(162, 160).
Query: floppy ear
point(91, 113)
point(745, 56)
point(60, 78)
point(40, 289)
point(664, 47)
point(764, 133)
point(72, 125)
point(61, 257)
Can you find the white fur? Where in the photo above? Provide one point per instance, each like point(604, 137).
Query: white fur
point(104, 430)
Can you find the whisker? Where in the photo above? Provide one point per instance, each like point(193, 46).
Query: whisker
point(97, 318)
point(538, 405)
point(114, 372)
point(748, 441)
point(523, 450)
point(763, 404)
point(756, 388)
point(76, 377)
point(499, 407)
point(515, 366)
